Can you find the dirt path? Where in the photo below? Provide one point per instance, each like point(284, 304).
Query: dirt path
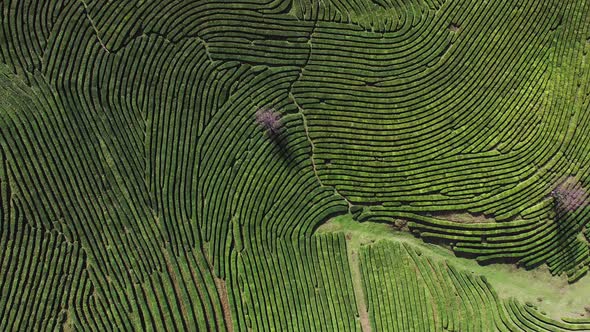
point(175, 284)
point(222, 291)
point(357, 285)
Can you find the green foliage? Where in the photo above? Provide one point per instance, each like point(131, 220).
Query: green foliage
point(137, 191)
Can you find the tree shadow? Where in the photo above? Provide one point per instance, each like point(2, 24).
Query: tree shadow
point(281, 147)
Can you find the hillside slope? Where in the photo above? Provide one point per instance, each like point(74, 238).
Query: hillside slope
point(138, 190)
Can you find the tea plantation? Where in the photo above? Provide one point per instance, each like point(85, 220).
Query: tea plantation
point(295, 165)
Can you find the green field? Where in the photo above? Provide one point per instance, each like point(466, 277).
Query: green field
point(295, 165)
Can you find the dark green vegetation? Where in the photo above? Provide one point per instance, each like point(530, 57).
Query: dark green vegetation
point(137, 190)
point(410, 285)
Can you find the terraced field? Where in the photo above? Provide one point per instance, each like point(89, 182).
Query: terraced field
point(295, 165)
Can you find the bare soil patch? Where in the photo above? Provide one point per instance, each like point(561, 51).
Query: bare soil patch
point(463, 217)
point(222, 291)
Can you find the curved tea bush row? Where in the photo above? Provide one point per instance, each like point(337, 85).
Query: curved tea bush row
point(40, 270)
point(301, 286)
point(136, 167)
point(149, 180)
point(407, 290)
point(448, 115)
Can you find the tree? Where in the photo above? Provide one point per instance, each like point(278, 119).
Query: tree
point(269, 119)
point(570, 195)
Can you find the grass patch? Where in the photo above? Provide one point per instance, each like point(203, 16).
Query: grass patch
point(551, 294)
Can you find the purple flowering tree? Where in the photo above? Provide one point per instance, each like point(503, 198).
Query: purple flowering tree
point(570, 195)
point(269, 120)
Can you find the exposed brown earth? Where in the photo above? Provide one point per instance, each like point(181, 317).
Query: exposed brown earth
point(222, 291)
point(463, 217)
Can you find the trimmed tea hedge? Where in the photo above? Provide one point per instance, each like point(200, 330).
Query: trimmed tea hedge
point(137, 191)
point(409, 291)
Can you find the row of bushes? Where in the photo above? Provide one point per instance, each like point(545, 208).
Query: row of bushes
point(408, 290)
